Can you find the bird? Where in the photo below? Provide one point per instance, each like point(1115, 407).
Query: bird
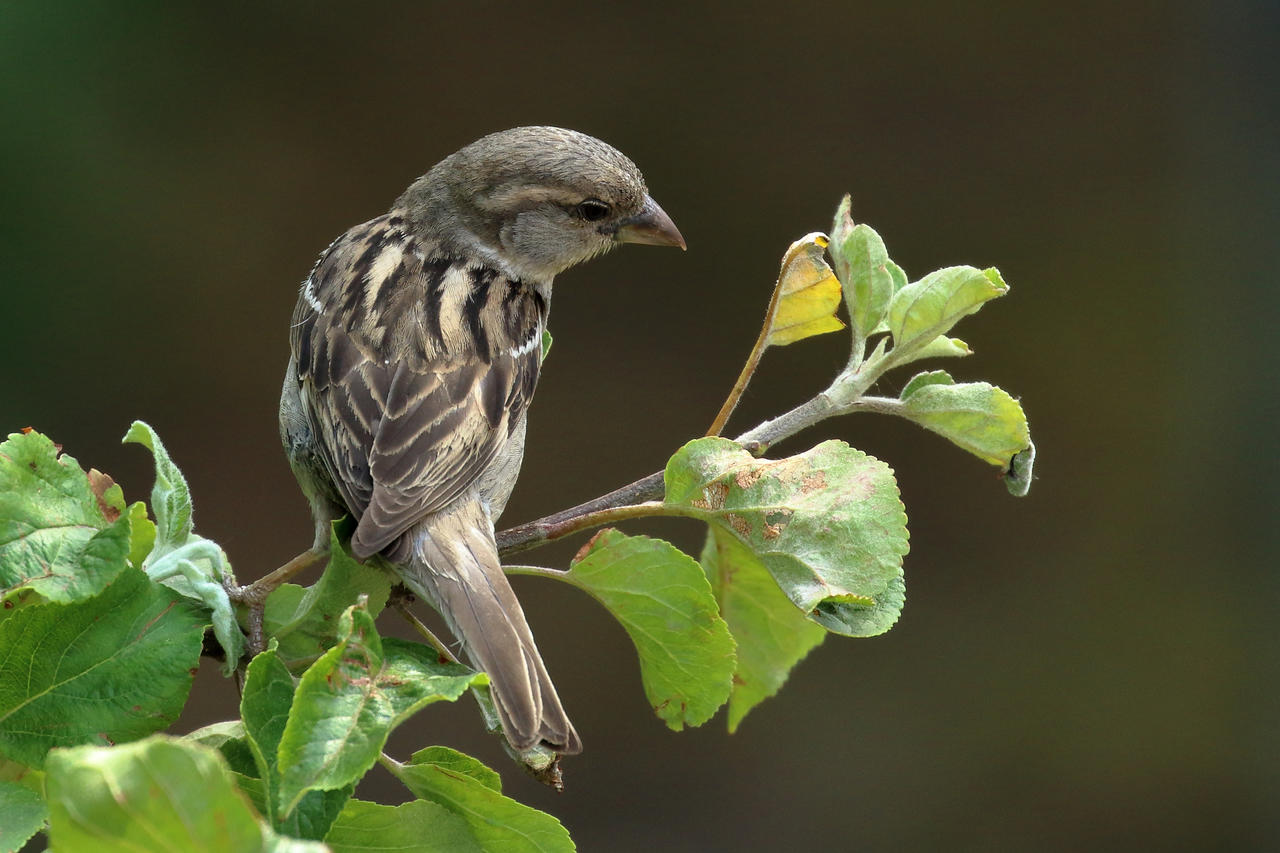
point(415, 348)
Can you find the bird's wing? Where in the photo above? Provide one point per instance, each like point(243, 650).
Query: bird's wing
point(402, 434)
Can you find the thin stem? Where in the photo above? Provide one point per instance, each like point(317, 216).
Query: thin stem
point(757, 351)
point(748, 370)
point(426, 633)
point(254, 595)
point(535, 533)
point(538, 571)
point(389, 764)
point(803, 416)
point(857, 352)
point(879, 405)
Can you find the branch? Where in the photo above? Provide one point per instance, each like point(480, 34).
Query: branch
point(643, 497)
point(748, 369)
point(615, 506)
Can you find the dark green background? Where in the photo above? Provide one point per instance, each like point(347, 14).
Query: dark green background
point(1093, 667)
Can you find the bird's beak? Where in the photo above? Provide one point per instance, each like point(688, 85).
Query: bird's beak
point(651, 226)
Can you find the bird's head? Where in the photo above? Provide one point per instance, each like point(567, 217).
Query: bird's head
point(537, 200)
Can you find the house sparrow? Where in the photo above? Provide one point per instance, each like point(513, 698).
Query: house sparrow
point(415, 350)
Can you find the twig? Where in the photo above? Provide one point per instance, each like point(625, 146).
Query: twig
point(641, 493)
point(536, 571)
point(647, 492)
point(748, 369)
point(254, 595)
point(425, 632)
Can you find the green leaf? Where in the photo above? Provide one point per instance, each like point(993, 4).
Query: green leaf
point(920, 380)
point(239, 757)
point(415, 827)
point(414, 676)
point(305, 622)
point(13, 771)
point(546, 345)
point(111, 669)
point(315, 813)
point(943, 347)
point(253, 788)
point(229, 738)
point(863, 264)
point(282, 844)
point(978, 417)
point(219, 733)
point(925, 309)
point(459, 762)
point(350, 699)
point(142, 534)
point(496, 822)
point(264, 708)
point(265, 703)
point(772, 634)
point(664, 602)
point(23, 813)
point(899, 277)
point(55, 539)
point(806, 296)
point(828, 524)
point(158, 794)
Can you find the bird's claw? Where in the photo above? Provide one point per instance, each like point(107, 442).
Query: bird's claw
point(254, 598)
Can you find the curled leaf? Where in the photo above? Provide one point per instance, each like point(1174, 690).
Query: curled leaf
point(176, 556)
point(944, 347)
point(862, 262)
point(920, 380)
point(1018, 478)
point(807, 296)
point(170, 498)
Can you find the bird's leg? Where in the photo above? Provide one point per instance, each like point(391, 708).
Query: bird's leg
point(254, 595)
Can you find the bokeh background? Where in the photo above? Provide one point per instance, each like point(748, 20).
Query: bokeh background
point(1092, 667)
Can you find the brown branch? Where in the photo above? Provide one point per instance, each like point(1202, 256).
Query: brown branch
point(552, 527)
point(636, 499)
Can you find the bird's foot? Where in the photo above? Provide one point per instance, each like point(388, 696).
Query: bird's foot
point(254, 596)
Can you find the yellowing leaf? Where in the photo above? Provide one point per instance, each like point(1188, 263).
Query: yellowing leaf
point(807, 295)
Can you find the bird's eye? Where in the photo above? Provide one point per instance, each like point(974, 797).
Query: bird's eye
point(593, 210)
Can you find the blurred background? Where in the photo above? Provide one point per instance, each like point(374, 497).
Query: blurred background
point(1092, 667)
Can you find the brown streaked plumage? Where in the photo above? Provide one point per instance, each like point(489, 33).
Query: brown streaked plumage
point(415, 350)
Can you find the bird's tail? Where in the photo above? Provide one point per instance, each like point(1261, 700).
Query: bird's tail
point(453, 563)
